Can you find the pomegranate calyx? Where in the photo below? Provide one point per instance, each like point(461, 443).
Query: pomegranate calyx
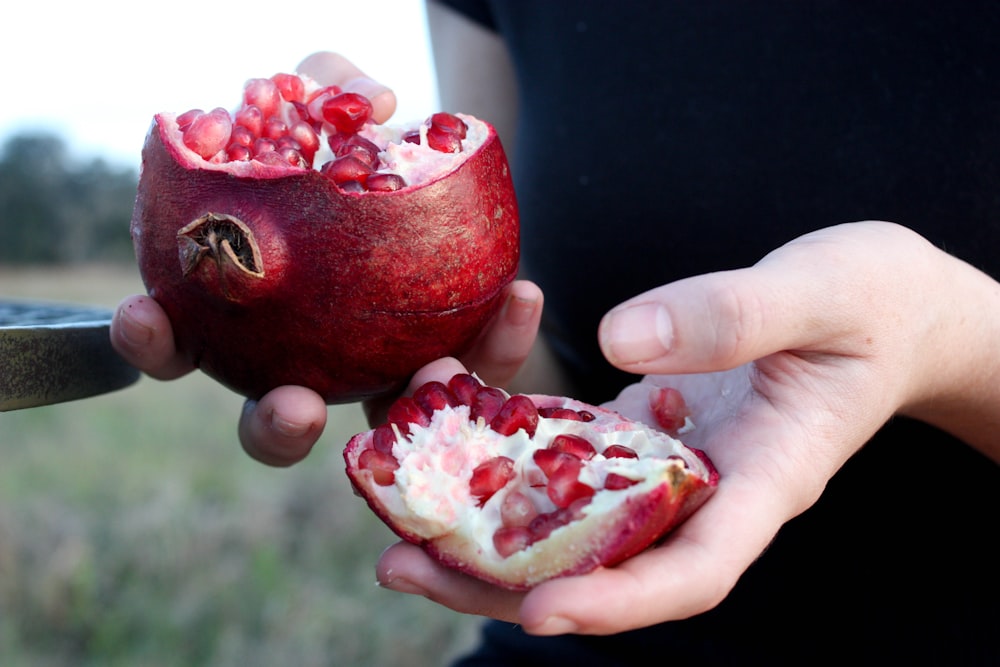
point(226, 242)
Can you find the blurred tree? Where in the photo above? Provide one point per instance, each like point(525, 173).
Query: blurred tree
point(55, 209)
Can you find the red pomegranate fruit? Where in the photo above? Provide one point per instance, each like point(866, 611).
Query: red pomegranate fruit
point(519, 489)
point(294, 241)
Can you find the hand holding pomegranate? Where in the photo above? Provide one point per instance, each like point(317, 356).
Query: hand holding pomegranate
point(280, 425)
point(788, 367)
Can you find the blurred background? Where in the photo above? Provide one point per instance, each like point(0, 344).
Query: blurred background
point(133, 528)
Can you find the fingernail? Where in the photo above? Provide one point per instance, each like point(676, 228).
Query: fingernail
point(556, 625)
point(638, 333)
point(133, 331)
point(365, 86)
point(519, 311)
point(288, 428)
point(402, 586)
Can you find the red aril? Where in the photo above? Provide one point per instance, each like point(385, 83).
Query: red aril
point(294, 241)
point(546, 487)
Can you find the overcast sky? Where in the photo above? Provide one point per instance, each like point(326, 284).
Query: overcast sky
point(96, 72)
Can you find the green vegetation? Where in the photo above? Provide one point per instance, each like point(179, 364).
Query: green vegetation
point(135, 531)
point(56, 209)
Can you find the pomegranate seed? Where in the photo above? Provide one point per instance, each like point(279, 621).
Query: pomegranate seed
point(616, 482)
point(241, 136)
point(559, 413)
point(238, 153)
point(405, 411)
point(510, 540)
point(464, 387)
point(620, 452)
point(306, 136)
point(251, 118)
point(358, 147)
point(517, 413)
point(299, 112)
point(517, 510)
point(292, 156)
point(383, 438)
point(449, 123)
point(285, 141)
point(344, 169)
point(184, 120)
point(586, 416)
point(491, 476)
point(208, 133)
point(263, 146)
point(564, 486)
point(347, 111)
point(290, 86)
point(385, 182)
point(274, 158)
point(669, 408)
point(550, 460)
point(314, 105)
point(382, 466)
point(443, 141)
point(543, 524)
point(275, 128)
point(575, 445)
point(264, 94)
point(487, 403)
point(432, 396)
point(412, 137)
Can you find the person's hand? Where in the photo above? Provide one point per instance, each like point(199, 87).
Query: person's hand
point(281, 428)
point(789, 367)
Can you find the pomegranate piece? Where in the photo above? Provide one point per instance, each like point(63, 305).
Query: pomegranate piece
point(294, 241)
point(669, 408)
point(208, 133)
point(539, 497)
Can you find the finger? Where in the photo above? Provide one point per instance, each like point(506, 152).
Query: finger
point(329, 69)
point(820, 289)
point(689, 574)
point(502, 350)
point(142, 335)
point(281, 428)
point(406, 568)
point(441, 370)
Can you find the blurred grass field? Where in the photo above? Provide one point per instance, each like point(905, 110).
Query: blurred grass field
point(134, 531)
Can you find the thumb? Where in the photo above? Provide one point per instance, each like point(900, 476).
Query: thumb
point(829, 291)
point(328, 68)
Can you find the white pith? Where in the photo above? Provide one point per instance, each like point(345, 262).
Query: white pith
point(418, 164)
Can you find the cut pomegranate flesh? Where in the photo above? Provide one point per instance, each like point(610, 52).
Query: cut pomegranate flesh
point(516, 497)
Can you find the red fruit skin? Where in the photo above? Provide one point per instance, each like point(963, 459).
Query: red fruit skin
point(604, 539)
point(358, 290)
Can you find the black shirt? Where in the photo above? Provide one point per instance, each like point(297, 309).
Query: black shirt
point(662, 140)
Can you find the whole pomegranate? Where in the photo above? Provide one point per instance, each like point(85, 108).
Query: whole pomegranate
point(519, 489)
point(294, 241)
